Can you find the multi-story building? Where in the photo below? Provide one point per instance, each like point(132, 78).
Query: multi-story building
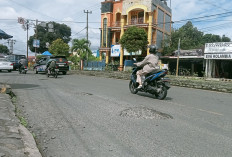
point(117, 15)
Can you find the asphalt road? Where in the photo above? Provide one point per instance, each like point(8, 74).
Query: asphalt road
point(83, 116)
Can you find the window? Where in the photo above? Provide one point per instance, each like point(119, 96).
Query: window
point(104, 31)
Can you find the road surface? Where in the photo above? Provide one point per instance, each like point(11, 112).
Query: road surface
point(85, 116)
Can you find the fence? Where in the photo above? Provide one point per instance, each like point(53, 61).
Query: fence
point(94, 65)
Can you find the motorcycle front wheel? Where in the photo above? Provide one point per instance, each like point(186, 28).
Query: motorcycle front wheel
point(132, 88)
point(162, 93)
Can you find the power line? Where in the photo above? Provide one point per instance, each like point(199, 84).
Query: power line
point(208, 2)
point(79, 31)
point(31, 9)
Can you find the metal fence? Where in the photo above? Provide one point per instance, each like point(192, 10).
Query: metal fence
point(94, 65)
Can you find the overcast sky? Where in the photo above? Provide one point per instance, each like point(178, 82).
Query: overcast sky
point(73, 11)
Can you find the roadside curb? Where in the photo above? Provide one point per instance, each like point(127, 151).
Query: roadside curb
point(4, 88)
point(23, 141)
point(220, 85)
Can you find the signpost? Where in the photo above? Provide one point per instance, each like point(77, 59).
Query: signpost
point(220, 50)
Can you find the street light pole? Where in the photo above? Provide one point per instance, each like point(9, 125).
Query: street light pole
point(87, 27)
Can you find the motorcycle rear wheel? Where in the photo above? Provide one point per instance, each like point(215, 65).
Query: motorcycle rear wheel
point(132, 88)
point(162, 94)
point(55, 75)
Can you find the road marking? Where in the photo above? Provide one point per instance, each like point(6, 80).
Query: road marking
point(211, 112)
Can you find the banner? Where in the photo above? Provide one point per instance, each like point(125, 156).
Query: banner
point(115, 50)
point(36, 43)
point(218, 56)
point(126, 53)
point(220, 47)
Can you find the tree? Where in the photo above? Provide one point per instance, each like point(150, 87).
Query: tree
point(225, 39)
point(59, 47)
point(81, 46)
point(190, 38)
point(134, 39)
point(4, 49)
point(61, 31)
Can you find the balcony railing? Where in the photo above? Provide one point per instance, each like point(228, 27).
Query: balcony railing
point(117, 24)
point(136, 21)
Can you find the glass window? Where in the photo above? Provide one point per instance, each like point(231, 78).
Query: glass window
point(167, 23)
point(160, 18)
point(159, 39)
point(104, 31)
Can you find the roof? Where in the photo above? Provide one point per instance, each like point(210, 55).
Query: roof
point(3, 35)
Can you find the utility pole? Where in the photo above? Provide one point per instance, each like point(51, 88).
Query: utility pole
point(36, 34)
point(177, 64)
point(27, 36)
point(87, 27)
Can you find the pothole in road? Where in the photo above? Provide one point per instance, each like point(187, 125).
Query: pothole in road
point(144, 113)
point(83, 93)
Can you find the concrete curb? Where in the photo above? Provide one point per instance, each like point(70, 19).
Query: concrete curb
point(5, 89)
point(220, 85)
point(27, 146)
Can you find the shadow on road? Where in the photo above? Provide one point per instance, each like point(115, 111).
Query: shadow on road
point(151, 96)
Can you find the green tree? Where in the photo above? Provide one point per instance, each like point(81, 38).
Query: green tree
point(81, 46)
point(59, 47)
point(61, 31)
point(4, 49)
point(225, 39)
point(134, 39)
point(190, 38)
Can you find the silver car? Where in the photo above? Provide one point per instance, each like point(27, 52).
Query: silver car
point(5, 65)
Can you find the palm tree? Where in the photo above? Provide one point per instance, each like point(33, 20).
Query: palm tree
point(81, 46)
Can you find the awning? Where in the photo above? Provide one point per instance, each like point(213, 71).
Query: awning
point(47, 53)
point(3, 35)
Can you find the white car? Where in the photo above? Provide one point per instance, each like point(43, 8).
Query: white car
point(5, 65)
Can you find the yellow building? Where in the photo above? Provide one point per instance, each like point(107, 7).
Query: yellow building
point(116, 16)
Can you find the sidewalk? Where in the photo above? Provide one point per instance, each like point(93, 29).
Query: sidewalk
point(15, 139)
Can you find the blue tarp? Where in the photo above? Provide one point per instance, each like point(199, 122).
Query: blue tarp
point(46, 53)
point(3, 35)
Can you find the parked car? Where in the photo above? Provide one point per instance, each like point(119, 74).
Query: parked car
point(40, 65)
point(15, 60)
point(61, 61)
point(5, 64)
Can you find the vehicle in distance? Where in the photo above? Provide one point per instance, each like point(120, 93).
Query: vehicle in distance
point(61, 62)
point(15, 60)
point(5, 64)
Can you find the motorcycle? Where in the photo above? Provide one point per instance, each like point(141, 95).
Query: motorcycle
point(23, 70)
point(154, 83)
point(53, 72)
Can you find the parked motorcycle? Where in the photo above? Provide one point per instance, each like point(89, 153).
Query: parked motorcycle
point(154, 83)
point(23, 70)
point(53, 72)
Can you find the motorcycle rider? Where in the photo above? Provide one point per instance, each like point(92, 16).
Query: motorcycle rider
point(149, 64)
point(51, 66)
point(22, 63)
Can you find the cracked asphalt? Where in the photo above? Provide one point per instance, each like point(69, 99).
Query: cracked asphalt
point(80, 116)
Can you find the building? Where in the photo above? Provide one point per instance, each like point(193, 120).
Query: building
point(191, 62)
point(117, 15)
